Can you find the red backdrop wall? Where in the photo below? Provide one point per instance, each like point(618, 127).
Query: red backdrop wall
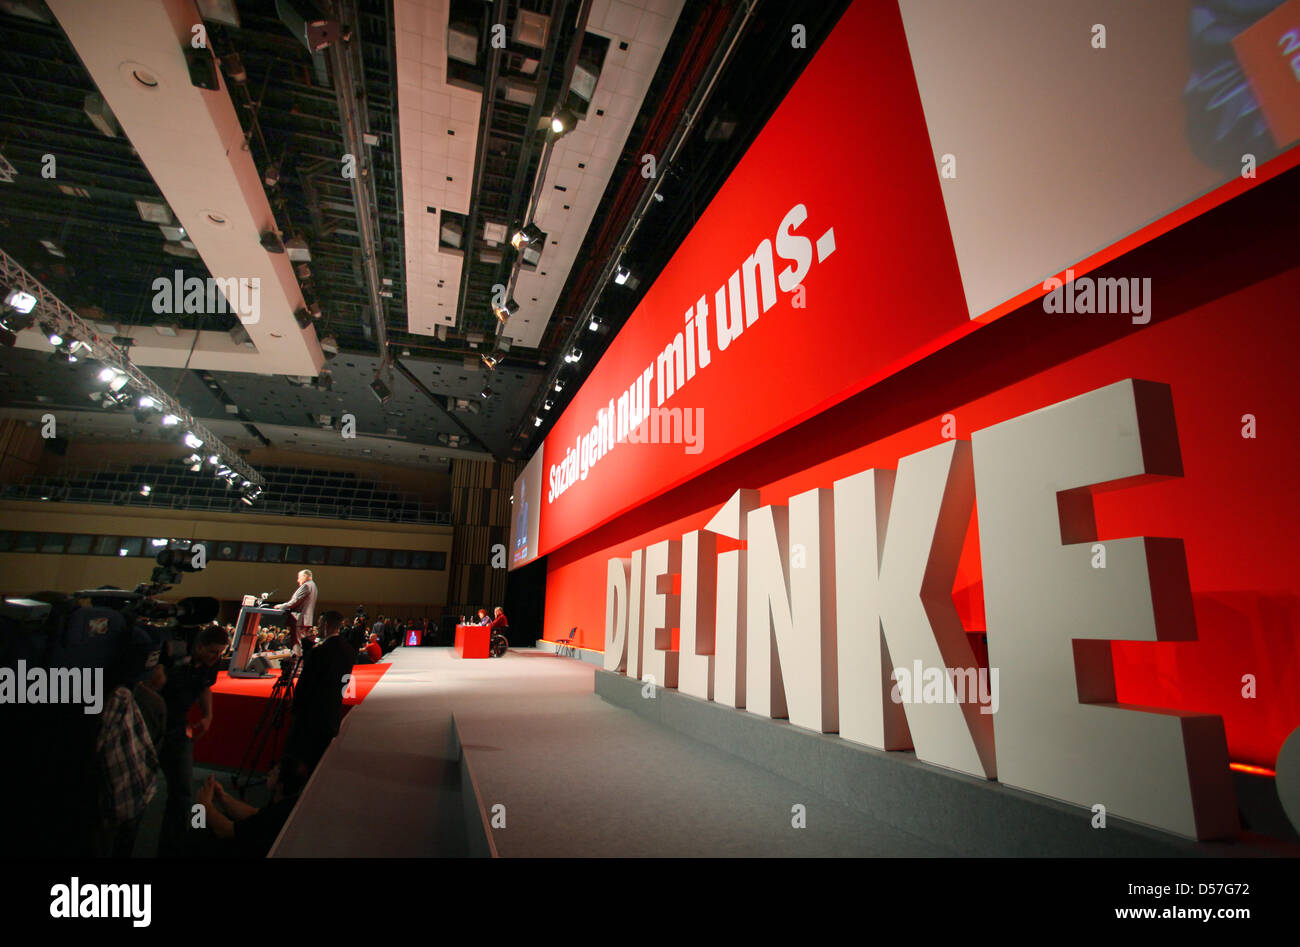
point(1235, 508)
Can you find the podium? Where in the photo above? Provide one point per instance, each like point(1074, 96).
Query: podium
point(251, 614)
point(472, 641)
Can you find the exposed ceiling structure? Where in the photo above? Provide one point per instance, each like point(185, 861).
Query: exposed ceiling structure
point(366, 162)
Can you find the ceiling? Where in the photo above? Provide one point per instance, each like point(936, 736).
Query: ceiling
point(450, 122)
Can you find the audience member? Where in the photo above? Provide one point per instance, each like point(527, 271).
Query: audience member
point(189, 681)
point(318, 695)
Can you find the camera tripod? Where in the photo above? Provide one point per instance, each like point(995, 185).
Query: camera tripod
point(270, 725)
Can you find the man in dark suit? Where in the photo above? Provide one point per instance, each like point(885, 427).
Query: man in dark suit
point(302, 606)
point(318, 695)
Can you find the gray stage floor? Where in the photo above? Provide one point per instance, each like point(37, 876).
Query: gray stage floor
point(576, 775)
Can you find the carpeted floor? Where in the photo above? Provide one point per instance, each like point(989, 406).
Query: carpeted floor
point(576, 776)
point(238, 707)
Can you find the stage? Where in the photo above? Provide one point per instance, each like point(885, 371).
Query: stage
point(238, 704)
point(537, 755)
point(577, 776)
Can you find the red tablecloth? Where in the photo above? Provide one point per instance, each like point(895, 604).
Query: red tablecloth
point(472, 641)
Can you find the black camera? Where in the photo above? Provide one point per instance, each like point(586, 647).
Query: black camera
point(122, 632)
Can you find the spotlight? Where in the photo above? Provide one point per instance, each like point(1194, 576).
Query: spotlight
point(196, 465)
point(115, 379)
point(574, 355)
point(548, 404)
point(143, 406)
point(563, 122)
point(20, 301)
point(485, 393)
point(621, 275)
point(594, 326)
point(170, 420)
point(490, 360)
point(145, 490)
point(558, 386)
point(192, 440)
point(381, 390)
point(537, 421)
point(531, 234)
point(213, 459)
point(505, 310)
point(56, 339)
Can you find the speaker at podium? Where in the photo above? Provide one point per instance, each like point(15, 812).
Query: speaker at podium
point(253, 613)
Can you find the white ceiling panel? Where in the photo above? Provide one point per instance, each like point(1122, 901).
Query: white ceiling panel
point(566, 216)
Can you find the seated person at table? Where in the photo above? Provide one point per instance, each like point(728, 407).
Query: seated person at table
point(499, 625)
point(482, 617)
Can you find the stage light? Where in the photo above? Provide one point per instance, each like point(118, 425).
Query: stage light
point(621, 275)
point(56, 339)
point(145, 490)
point(213, 459)
point(191, 440)
point(170, 420)
point(563, 122)
point(18, 321)
point(548, 404)
point(381, 390)
point(558, 386)
point(574, 355)
point(147, 402)
point(115, 379)
point(537, 421)
point(594, 326)
point(505, 310)
point(20, 301)
point(490, 360)
point(485, 393)
point(526, 236)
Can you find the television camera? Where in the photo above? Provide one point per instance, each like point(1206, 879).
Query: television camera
point(123, 632)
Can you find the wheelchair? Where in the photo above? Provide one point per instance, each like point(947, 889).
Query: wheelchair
point(499, 644)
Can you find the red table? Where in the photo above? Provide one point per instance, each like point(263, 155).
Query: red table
point(472, 641)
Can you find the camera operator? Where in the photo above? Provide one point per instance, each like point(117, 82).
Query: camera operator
point(189, 680)
point(302, 608)
point(318, 695)
point(356, 632)
point(242, 830)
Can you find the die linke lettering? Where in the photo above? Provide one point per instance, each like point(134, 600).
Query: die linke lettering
point(748, 292)
point(830, 593)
